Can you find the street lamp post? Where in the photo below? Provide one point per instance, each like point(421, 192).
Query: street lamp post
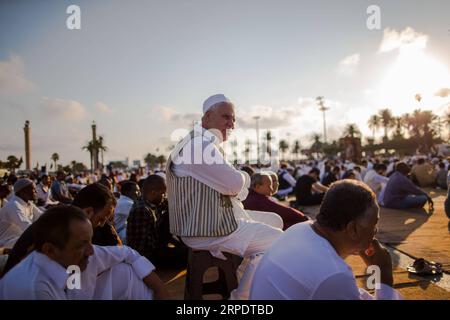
point(322, 108)
point(257, 137)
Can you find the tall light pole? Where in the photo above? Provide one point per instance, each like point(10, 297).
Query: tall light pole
point(27, 131)
point(322, 108)
point(257, 137)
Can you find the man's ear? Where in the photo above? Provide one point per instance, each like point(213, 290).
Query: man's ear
point(351, 230)
point(89, 212)
point(49, 250)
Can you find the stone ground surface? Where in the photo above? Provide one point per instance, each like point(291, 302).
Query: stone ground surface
point(408, 234)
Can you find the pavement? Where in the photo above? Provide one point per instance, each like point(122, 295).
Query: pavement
point(407, 234)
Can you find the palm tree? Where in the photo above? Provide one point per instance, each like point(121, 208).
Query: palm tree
point(12, 163)
point(447, 120)
point(352, 130)
point(150, 160)
point(268, 142)
point(101, 147)
point(90, 148)
point(234, 145)
point(248, 146)
point(399, 123)
point(296, 149)
point(161, 160)
point(374, 124)
point(284, 146)
point(94, 147)
point(420, 124)
point(55, 158)
point(386, 121)
point(317, 144)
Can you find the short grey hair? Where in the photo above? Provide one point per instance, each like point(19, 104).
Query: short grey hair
point(257, 179)
point(271, 173)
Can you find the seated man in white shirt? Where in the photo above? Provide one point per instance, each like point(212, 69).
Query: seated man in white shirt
point(63, 240)
point(21, 210)
point(376, 179)
point(129, 192)
point(307, 261)
point(44, 192)
point(5, 191)
point(205, 191)
point(286, 182)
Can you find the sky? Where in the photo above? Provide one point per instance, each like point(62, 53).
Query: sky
point(142, 69)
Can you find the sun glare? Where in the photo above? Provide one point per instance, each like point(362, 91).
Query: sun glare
point(413, 72)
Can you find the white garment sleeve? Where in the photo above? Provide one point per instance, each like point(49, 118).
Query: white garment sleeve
point(380, 179)
point(220, 175)
point(36, 213)
point(290, 179)
point(342, 286)
point(21, 219)
point(107, 257)
point(242, 195)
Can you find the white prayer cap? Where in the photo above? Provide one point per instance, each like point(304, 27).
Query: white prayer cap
point(215, 99)
point(21, 184)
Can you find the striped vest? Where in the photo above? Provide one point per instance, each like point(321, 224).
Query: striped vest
point(195, 209)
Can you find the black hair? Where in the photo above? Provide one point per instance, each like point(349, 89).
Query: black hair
point(127, 187)
point(345, 201)
point(54, 225)
point(94, 195)
point(5, 189)
point(12, 178)
point(402, 168)
point(153, 182)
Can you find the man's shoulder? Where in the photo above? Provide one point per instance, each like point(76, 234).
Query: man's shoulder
point(140, 206)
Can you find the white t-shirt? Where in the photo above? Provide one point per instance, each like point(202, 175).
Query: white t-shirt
point(301, 265)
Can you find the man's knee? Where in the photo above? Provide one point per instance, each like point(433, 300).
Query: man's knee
point(269, 218)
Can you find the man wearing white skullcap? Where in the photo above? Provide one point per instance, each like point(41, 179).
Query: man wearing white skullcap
point(205, 193)
point(214, 100)
point(20, 212)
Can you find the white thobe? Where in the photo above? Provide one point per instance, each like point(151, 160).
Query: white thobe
point(112, 273)
point(20, 213)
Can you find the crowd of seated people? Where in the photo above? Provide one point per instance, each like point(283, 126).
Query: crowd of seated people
point(42, 218)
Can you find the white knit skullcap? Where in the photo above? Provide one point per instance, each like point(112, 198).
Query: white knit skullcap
point(21, 184)
point(215, 99)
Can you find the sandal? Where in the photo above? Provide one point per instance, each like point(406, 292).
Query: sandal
point(424, 267)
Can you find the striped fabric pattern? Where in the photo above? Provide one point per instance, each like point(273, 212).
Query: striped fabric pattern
point(197, 210)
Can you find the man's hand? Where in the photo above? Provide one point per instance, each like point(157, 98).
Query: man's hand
point(158, 287)
point(379, 256)
point(430, 204)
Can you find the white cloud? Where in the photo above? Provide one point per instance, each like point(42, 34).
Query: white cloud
point(349, 64)
point(103, 108)
point(12, 77)
point(269, 117)
point(413, 71)
point(65, 109)
point(443, 92)
point(170, 114)
point(408, 39)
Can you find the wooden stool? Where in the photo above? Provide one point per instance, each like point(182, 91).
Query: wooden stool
point(199, 261)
